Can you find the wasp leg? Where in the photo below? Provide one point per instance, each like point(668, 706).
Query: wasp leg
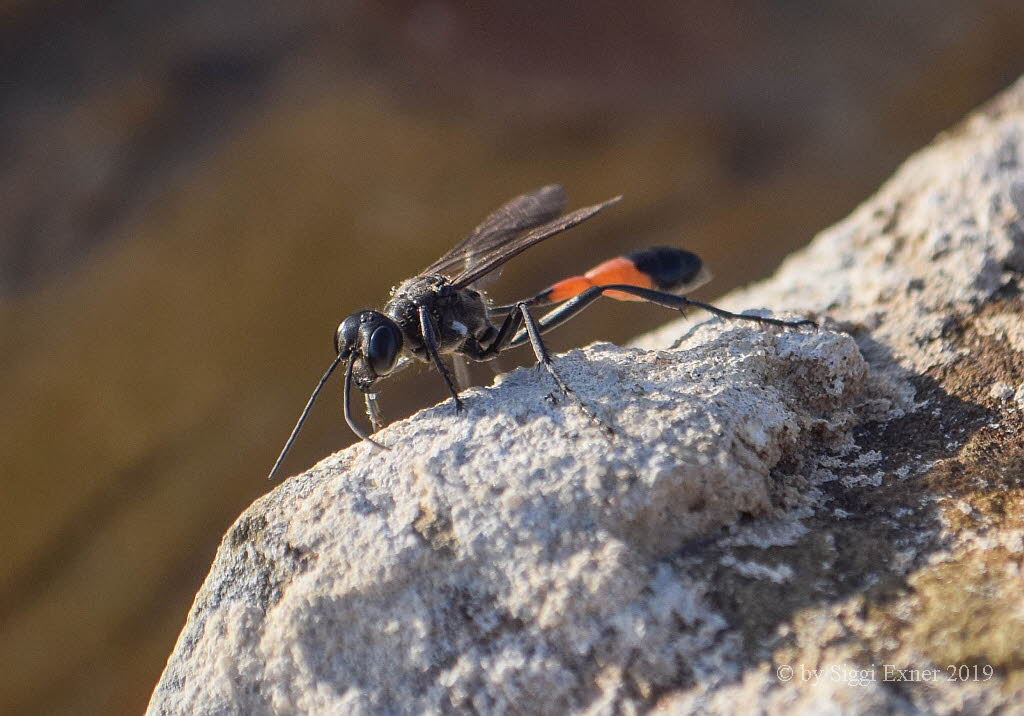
point(477, 352)
point(373, 411)
point(430, 343)
point(533, 331)
point(461, 369)
point(508, 329)
point(573, 306)
point(693, 329)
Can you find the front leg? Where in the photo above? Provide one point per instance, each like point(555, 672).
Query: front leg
point(430, 344)
point(373, 411)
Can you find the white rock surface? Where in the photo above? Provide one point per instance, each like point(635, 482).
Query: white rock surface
point(491, 557)
point(761, 487)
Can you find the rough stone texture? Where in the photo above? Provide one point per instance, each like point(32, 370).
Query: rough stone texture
point(830, 501)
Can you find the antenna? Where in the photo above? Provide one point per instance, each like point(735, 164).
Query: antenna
point(305, 412)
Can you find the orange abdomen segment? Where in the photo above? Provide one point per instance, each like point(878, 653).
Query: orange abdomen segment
point(662, 268)
point(619, 270)
point(567, 288)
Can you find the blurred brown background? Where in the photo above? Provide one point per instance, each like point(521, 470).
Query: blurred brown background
point(192, 195)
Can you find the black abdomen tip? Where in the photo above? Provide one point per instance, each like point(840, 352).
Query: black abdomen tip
point(669, 268)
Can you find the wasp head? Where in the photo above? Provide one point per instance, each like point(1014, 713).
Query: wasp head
point(374, 340)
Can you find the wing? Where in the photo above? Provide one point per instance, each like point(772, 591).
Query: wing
point(483, 262)
point(502, 226)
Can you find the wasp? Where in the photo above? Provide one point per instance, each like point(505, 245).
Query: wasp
point(442, 312)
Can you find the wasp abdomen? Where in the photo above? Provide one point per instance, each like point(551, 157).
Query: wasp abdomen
point(663, 268)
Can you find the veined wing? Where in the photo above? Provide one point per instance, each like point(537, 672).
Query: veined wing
point(483, 262)
point(501, 227)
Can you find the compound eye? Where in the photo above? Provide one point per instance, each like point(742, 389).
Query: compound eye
point(347, 334)
point(382, 350)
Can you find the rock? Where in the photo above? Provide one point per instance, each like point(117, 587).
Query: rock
point(785, 519)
